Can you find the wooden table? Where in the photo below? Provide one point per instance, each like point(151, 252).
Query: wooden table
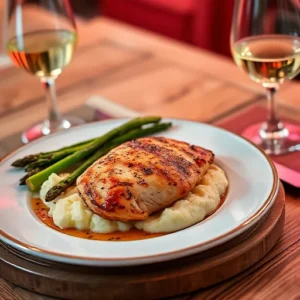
point(155, 75)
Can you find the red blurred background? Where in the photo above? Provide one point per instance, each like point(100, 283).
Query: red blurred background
point(203, 23)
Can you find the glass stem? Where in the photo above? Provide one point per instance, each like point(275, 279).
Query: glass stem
point(273, 122)
point(273, 129)
point(54, 117)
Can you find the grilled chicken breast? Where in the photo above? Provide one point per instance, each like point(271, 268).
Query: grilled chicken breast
point(142, 176)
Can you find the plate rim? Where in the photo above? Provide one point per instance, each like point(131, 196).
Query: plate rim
point(170, 255)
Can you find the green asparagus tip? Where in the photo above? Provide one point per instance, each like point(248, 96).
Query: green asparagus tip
point(22, 162)
point(54, 192)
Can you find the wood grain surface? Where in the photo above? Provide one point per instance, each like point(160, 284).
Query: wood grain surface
point(152, 74)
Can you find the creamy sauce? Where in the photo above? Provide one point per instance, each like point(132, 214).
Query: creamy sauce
point(41, 211)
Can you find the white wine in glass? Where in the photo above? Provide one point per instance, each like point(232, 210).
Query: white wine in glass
point(43, 50)
point(269, 59)
point(265, 43)
point(43, 53)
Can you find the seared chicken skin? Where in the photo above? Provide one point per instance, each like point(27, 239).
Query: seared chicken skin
point(142, 176)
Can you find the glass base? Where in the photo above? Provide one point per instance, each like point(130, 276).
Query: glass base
point(279, 146)
point(45, 128)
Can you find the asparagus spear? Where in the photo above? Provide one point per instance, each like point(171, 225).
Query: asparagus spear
point(26, 160)
point(69, 147)
point(34, 182)
point(42, 157)
point(22, 162)
point(70, 180)
point(29, 174)
point(53, 158)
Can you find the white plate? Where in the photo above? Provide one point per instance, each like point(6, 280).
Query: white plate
point(253, 184)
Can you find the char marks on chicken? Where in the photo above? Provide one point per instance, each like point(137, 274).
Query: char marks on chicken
point(142, 176)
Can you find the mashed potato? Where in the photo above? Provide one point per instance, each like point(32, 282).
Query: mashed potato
point(202, 200)
point(70, 212)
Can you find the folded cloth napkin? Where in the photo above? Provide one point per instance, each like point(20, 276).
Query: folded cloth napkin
point(107, 109)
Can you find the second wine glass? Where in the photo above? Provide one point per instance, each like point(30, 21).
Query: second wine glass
point(265, 43)
point(41, 39)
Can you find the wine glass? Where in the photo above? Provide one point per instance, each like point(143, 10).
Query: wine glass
point(41, 39)
point(265, 43)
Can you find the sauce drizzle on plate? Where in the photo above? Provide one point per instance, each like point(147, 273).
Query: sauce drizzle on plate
point(41, 212)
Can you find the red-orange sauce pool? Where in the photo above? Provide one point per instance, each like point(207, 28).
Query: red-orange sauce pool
point(41, 211)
